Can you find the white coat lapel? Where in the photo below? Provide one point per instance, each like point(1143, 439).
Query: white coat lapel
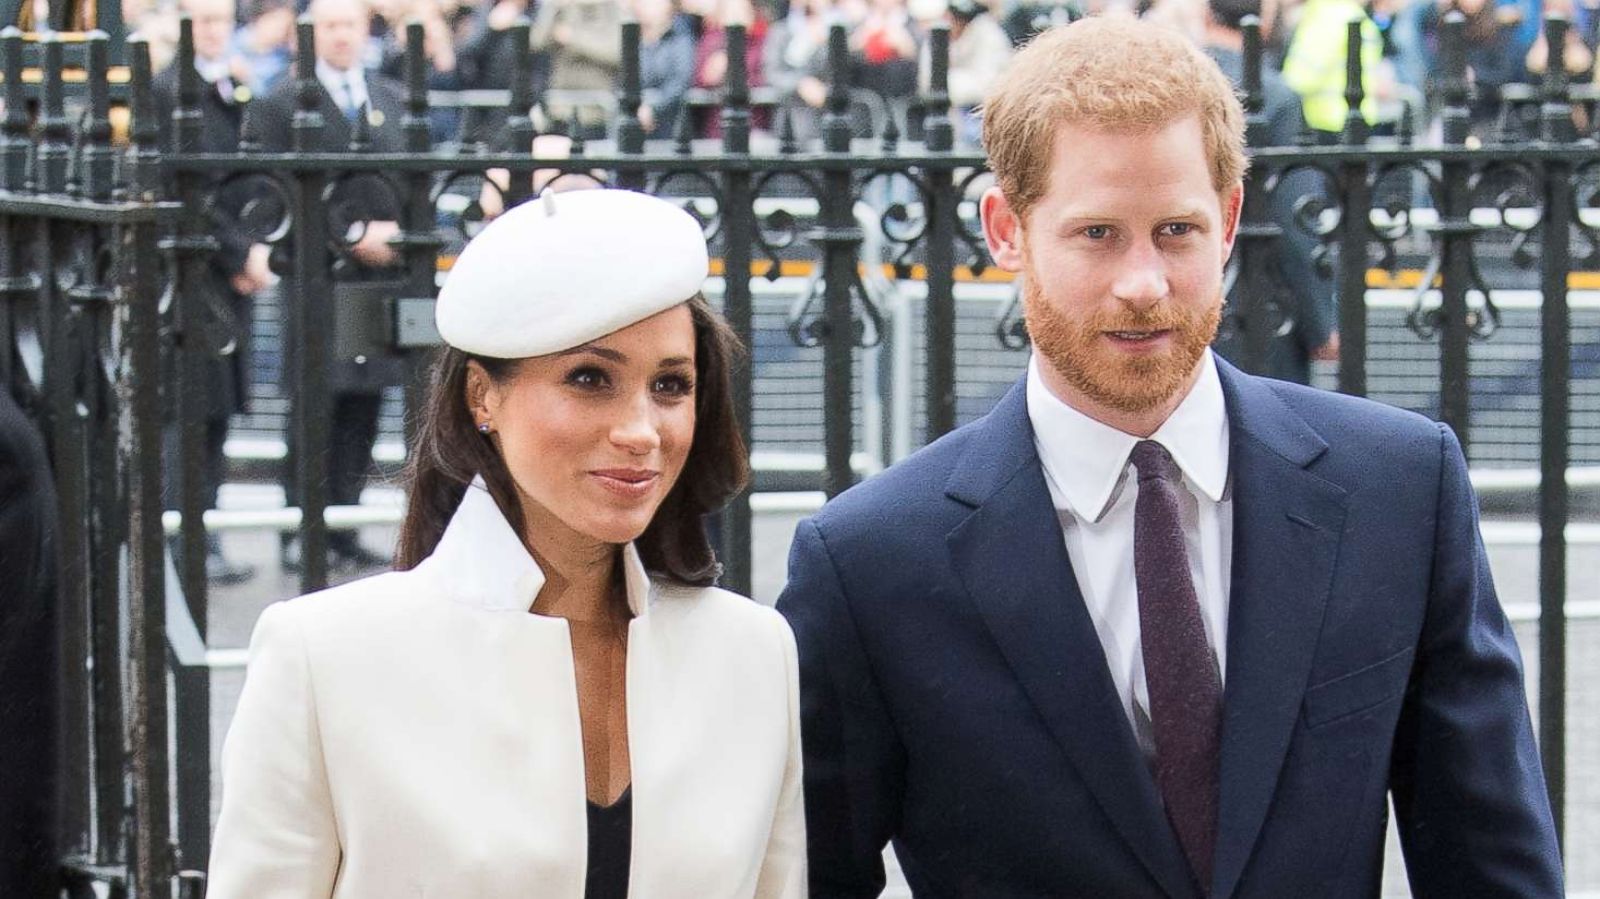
point(482, 562)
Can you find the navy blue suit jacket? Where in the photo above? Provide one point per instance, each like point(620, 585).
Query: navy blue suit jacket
point(956, 700)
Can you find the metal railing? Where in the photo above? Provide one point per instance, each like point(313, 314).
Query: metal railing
point(103, 263)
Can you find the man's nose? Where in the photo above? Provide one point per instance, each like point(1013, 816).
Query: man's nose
point(1141, 279)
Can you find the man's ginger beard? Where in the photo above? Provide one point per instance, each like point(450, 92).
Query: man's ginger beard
point(1077, 349)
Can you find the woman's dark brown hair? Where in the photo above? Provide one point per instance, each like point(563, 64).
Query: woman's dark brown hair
point(449, 452)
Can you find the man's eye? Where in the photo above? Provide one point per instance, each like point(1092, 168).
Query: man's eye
point(1097, 232)
point(587, 378)
point(1180, 229)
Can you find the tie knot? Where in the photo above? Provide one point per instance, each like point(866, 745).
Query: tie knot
point(1152, 460)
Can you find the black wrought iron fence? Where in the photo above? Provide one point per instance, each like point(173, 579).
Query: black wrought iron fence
point(103, 267)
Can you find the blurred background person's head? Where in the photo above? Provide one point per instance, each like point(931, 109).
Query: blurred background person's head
point(213, 22)
point(1229, 15)
point(270, 23)
point(157, 22)
point(342, 30)
point(263, 42)
point(654, 16)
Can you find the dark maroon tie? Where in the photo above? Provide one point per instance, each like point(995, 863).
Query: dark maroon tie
point(1179, 668)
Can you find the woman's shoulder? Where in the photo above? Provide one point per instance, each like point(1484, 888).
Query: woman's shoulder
point(714, 606)
point(361, 603)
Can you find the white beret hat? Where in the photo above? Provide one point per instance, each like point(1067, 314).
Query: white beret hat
point(562, 270)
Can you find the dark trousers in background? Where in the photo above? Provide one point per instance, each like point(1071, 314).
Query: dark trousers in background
point(353, 430)
point(211, 466)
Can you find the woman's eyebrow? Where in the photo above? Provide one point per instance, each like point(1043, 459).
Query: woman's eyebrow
point(603, 352)
point(676, 361)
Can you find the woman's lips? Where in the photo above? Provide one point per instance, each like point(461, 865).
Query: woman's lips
point(630, 483)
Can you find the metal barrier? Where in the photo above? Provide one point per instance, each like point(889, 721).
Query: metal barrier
point(104, 274)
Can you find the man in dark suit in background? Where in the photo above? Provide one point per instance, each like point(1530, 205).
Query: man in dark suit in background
point(365, 210)
point(29, 670)
point(237, 272)
point(1304, 293)
point(1154, 627)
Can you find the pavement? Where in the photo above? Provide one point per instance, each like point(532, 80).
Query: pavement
point(233, 612)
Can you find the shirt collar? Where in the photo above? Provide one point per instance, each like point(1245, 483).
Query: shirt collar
point(482, 562)
point(1084, 460)
point(333, 79)
point(211, 70)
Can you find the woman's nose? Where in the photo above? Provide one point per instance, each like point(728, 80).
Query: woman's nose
point(635, 429)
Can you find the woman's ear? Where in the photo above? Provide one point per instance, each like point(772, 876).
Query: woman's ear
point(480, 394)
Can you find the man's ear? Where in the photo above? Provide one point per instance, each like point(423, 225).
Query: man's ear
point(1002, 230)
point(1232, 208)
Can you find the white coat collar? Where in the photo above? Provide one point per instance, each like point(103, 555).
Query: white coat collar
point(482, 562)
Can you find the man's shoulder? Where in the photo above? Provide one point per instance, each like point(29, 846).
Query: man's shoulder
point(22, 452)
point(1356, 428)
point(906, 493)
point(285, 92)
point(166, 81)
point(382, 87)
point(278, 101)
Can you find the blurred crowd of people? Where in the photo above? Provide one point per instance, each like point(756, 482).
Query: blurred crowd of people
point(577, 61)
point(245, 53)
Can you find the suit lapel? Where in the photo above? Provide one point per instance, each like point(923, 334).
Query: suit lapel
point(1012, 560)
point(335, 127)
point(1287, 523)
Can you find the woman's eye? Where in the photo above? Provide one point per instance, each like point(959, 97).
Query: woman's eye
point(674, 385)
point(587, 378)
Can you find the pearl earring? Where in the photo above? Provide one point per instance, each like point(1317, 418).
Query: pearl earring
point(483, 427)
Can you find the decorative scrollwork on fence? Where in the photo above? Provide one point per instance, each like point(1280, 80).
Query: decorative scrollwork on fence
point(704, 200)
point(779, 229)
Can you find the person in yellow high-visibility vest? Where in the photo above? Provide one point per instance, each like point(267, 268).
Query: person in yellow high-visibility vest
point(1314, 65)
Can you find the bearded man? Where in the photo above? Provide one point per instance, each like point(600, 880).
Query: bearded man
point(1154, 627)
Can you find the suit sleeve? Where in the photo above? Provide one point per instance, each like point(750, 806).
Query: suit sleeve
point(1315, 302)
point(854, 763)
point(783, 871)
point(267, 122)
point(1469, 792)
point(30, 701)
point(276, 837)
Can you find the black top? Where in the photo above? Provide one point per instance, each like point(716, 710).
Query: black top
point(610, 841)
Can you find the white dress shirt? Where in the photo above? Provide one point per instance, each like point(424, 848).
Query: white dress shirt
point(1093, 487)
point(211, 70)
point(336, 81)
point(217, 75)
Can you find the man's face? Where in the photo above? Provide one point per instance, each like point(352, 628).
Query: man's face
point(213, 26)
point(1123, 259)
point(341, 31)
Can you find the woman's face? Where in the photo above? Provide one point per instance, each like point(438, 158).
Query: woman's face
point(596, 436)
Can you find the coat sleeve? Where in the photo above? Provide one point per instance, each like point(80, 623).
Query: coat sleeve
point(783, 871)
point(276, 837)
point(854, 762)
point(1314, 302)
point(267, 123)
point(1469, 793)
point(30, 702)
point(597, 41)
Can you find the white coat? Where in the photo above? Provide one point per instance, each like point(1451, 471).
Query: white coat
point(415, 734)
